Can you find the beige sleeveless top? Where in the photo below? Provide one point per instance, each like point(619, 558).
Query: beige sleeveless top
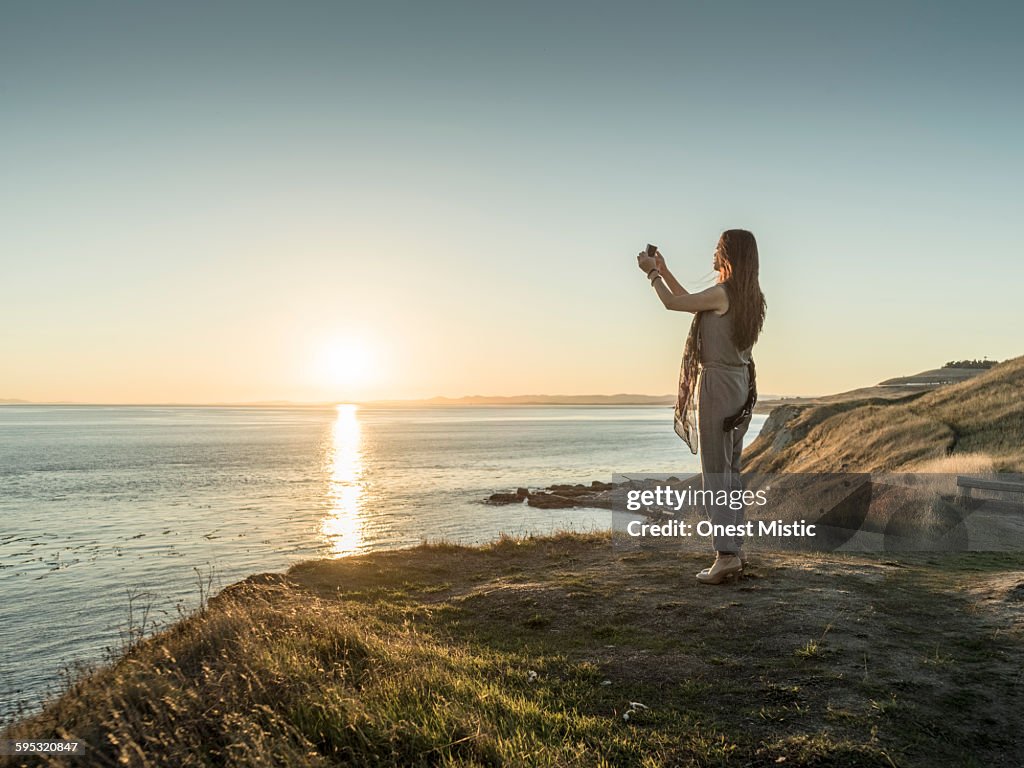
point(716, 344)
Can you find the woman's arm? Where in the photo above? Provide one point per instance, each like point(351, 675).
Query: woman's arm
point(713, 298)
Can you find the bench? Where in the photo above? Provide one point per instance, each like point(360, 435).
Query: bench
point(965, 484)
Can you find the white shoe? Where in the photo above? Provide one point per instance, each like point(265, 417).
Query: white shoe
point(725, 566)
point(741, 555)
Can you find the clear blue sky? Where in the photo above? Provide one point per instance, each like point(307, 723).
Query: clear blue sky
point(240, 201)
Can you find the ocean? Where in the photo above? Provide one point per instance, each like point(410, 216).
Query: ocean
point(111, 509)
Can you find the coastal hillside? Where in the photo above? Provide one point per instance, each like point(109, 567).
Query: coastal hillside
point(977, 424)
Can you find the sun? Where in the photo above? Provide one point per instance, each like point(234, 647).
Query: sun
point(345, 362)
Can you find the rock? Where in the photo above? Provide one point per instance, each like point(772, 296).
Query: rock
point(544, 500)
point(572, 491)
point(598, 495)
point(504, 498)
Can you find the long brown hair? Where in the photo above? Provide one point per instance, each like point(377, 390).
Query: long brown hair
point(738, 274)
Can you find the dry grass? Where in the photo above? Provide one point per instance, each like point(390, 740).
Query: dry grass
point(956, 464)
point(530, 651)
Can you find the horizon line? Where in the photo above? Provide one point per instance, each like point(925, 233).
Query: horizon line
point(331, 403)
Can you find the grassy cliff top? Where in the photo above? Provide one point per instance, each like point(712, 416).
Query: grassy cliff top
point(561, 651)
point(974, 426)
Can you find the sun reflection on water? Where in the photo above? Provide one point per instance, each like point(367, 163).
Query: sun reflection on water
point(342, 527)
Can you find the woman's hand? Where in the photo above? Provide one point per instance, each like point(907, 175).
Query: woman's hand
point(658, 262)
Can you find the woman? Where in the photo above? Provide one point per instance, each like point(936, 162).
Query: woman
point(718, 367)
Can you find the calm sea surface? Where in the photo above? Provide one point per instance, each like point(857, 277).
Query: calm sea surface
point(100, 501)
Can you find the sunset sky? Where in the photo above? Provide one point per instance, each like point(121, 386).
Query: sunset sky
point(324, 201)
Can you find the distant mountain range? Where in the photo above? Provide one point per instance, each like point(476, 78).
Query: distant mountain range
point(890, 388)
point(620, 399)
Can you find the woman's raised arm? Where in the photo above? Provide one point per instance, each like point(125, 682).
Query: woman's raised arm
point(713, 298)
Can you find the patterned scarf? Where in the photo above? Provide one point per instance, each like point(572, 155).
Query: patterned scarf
point(686, 407)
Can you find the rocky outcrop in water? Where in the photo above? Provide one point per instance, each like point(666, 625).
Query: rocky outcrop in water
point(566, 495)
